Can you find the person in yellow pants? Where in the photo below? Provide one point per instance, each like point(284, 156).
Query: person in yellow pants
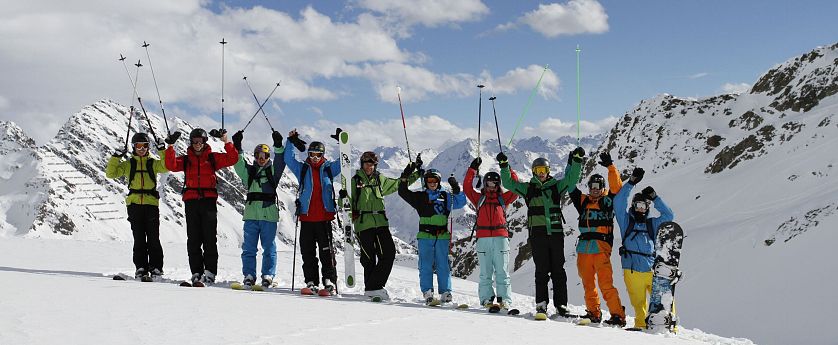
point(596, 227)
point(638, 232)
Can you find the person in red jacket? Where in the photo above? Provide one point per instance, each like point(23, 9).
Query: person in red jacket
point(199, 165)
point(492, 235)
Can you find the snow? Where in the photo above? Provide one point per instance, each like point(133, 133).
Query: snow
point(69, 298)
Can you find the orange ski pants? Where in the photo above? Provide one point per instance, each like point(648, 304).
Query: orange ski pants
point(593, 267)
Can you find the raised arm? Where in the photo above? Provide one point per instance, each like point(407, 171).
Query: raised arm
point(173, 163)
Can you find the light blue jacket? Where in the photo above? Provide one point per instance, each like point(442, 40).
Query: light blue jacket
point(296, 167)
point(638, 241)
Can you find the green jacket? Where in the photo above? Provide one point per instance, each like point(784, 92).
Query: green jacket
point(368, 198)
point(262, 210)
point(118, 168)
point(543, 200)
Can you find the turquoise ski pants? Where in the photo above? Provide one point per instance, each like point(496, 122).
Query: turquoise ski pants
point(493, 257)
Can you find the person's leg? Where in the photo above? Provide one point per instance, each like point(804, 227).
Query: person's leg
point(194, 236)
point(308, 250)
point(485, 291)
point(557, 272)
point(323, 236)
point(387, 255)
point(585, 264)
point(155, 249)
point(426, 264)
point(541, 256)
point(606, 285)
point(500, 263)
point(249, 247)
point(138, 230)
point(638, 284)
point(210, 234)
point(267, 236)
point(367, 241)
point(443, 267)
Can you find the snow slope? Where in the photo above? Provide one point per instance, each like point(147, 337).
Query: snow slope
point(68, 300)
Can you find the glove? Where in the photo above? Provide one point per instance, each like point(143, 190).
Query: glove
point(408, 170)
point(161, 146)
point(475, 164)
point(298, 143)
point(237, 140)
point(217, 133)
point(418, 163)
point(649, 193)
point(276, 137)
point(605, 159)
point(636, 176)
point(119, 153)
point(172, 138)
point(503, 161)
point(455, 187)
point(342, 193)
point(578, 154)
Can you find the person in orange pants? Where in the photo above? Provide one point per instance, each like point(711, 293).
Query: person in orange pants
point(596, 225)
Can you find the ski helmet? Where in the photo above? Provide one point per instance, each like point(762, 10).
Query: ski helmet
point(540, 162)
point(369, 156)
point(596, 178)
point(639, 198)
point(431, 173)
point(316, 147)
point(491, 177)
point(198, 133)
point(140, 138)
point(261, 148)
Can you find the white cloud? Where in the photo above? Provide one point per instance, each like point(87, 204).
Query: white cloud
point(525, 79)
point(429, 13)
point(552, 128)
point(736, 88)
point(574, 17)
point(698, 75)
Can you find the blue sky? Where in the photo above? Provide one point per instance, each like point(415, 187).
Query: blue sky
point(340, 60)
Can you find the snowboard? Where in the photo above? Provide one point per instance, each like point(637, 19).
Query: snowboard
point(346, 207)
point(665, 276)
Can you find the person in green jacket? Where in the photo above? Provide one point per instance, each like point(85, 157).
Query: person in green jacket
point(370, 222)
point(260, 211)
point(142, 202)
point(543, 194)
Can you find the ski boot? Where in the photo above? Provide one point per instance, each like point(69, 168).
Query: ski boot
point(208, 279)
point(267, 281)
point(310, 289)
point(488, 303)
point(328, 289)
point(156, 274)
point(429, 298)
point(540, 311)
point(591, 319)
point(377, 295)
point(616, 320)
point(142, 275)
point(445, 297)
point(194, 281)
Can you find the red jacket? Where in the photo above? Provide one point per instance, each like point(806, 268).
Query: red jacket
point(491, 217)
point(200, 176)
point(316, 210)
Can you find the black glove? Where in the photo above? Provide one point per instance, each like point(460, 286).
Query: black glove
point(649, 193)
point(298, 143)
point(276, 137)
point(636, 176)
point(475, 164)
point(119, 153)
point(605, 159)
point(161, 146)
point(418, 163)
point(408, 170)
point(237, 140)
point(455, 187)
point(217, 133)
point(342, 193)
point(172, 138)
point(578, 154)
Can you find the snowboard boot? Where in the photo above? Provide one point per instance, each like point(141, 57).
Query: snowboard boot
point(208, 278)
point(592, 318)
point(267, 280)
point(328, 289)
point(616, 320)
point(445, 297)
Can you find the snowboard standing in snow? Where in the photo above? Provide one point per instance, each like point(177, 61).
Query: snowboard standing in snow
point(666, 276)
point(345, 204)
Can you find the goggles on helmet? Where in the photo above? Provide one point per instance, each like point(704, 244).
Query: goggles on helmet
point(540, 170)
point(140, 145)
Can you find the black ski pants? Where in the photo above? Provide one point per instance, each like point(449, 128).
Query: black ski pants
point(145, 226)
point(201, 231)
point(548, 254)
point(312, 236)
point(377, 255)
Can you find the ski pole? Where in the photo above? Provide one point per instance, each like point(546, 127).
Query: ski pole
point(497, 129)
point(479, 120)
point(150, 129)
point(527, 107)
point(257, 101)
point(404, 125)
point(260, 107)
point(578, 109)
point(223, 43)
point(134, 84)
point(166, 121)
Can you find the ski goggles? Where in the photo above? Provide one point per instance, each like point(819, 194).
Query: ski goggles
point(595, 185)
point(261, 155)
point(640, 206)
point(541, 170)
point(491, 183)
point(140, 146)
point(315, 154)
point(197, 141)
point(432, 180)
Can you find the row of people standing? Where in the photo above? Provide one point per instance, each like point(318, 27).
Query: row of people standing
point(317, 207)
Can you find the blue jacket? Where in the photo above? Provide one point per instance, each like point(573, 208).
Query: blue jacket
point(638, 241)
point(296, 167)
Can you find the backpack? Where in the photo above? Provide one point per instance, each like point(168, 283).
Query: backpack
point(252, 170)
point(608, 209)
point(149, 168)
point(356, 193)
point(556, 212)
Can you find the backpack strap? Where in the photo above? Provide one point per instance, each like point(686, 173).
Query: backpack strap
point(633, 232)
point(149, 168)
